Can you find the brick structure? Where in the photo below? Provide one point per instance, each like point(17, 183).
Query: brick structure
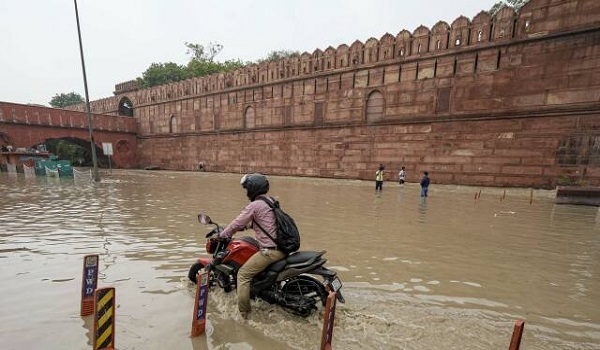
point(25, 126)
point(505, 100)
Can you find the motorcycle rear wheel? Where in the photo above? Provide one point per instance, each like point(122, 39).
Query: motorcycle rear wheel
point(304, 287)
point(194, 271)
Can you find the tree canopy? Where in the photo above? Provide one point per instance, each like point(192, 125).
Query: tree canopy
point(278, 54)
point(63, 100)
point(202, 62)
point(200, 53)
point(517, 4)
point(162, 73)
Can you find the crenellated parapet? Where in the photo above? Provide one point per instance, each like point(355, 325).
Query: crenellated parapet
point(509, 99)
point(537, 18)
point(127, 86)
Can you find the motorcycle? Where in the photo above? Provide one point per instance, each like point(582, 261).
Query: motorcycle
point(290, 282)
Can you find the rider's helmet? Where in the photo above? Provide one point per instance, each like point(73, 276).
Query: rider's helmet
point(255, 185)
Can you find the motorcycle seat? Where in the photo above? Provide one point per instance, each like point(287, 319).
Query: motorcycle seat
point(296, 259)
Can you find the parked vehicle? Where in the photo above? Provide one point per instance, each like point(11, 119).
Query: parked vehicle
point(299, 282)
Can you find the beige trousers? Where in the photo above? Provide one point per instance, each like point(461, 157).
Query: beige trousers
point(257, 262)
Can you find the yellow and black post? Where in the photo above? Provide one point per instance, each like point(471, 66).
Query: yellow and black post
point(89, 282)
point(104, 319)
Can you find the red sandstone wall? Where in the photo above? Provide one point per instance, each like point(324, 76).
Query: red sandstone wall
point(27, 125)
point(512, 99)
point(527, 152)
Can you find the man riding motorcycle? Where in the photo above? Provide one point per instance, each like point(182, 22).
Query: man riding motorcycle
point(256, 215)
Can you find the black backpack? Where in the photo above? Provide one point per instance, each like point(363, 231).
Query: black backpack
point(288, 236)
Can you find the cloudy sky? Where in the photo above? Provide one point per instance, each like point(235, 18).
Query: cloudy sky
point(39, 50)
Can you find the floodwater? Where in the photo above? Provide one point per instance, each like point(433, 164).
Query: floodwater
point(446, 272)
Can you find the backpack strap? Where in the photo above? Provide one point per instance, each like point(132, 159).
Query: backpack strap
point(273, 203)
point(272, 206)
point(265, 232)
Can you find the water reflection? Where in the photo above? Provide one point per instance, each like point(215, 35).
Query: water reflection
point(422, 209)
point(455, 273)
point(377, 203)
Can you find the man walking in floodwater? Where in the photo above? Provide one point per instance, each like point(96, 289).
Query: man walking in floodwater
point(402, 176)
point(425, 184)
point(379, 178)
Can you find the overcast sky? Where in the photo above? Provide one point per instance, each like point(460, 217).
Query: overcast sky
point(39, 50)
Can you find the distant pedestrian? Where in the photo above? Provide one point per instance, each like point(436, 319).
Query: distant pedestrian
point(402, 176)
point(379, 178)
point(425, 184)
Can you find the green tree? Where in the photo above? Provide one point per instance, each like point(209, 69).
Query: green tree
point(202, 54)
point(72, 152)
point(203, 60)
point(202, 63)
point(64, 149)
point(279, 54)
point(517, 4)
point(62, 100)
point(230, 65)
point(162, 73)
point(196, 68)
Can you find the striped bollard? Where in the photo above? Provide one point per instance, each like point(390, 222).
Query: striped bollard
point(327, 335)
point(89, 282)
point(199, 319)
point(104, 319)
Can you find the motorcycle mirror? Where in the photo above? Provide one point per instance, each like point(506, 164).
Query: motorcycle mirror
point(204, 219)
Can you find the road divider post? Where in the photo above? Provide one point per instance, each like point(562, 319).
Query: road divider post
point(200, 303)
point(104, 319)
point(89, 282)
point(328, 322)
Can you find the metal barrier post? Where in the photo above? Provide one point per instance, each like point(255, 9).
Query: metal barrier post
point(199, 319)
point(327, 334)
point(104, 319)
point(89, 282)
point(515, 341)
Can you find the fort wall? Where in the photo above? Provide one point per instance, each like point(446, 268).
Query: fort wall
point(505, 100)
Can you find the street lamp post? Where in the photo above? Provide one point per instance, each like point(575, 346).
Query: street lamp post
point(87, 100)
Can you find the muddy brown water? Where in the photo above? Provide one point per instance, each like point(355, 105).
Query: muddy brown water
point(445, 272)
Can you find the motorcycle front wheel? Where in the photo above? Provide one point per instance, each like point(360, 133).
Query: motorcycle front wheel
point(194, 271)
point(303, 288)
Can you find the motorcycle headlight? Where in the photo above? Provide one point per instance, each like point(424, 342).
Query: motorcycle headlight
point(211, 246)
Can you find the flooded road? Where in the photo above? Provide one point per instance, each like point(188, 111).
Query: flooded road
point(445, 272)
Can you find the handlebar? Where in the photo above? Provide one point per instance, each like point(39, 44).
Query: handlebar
point(214, 231)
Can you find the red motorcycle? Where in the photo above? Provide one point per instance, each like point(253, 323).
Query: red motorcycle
point(290, 282)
